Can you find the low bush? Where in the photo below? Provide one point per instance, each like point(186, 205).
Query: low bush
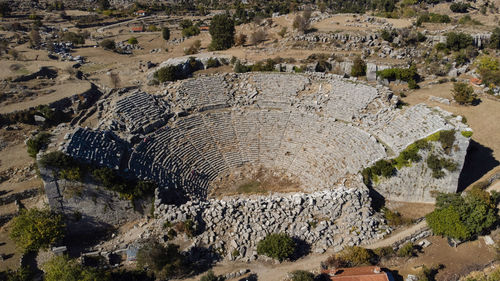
point(211, 63)
point(356, 256)
point(71, 174)
point(467, 134)
point(409, 75)
point(210, 276)
point(108, 44)
point(458, 41)
point(166, 262)
point(167, 73)
point(394, 218)
point(433, 18)
point(384, 252)
point(37, 143)
point(358, 67)
point(463, 93)
point(459, 7)
point(133, 41)
point(437, 165)
point(407, 250)
point(278, 246)
point(302, 275)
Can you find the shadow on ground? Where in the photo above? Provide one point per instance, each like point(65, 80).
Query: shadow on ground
point(478, 162)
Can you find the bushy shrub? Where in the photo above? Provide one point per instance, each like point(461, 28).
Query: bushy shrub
point(384, 252)
point(38, 142)
point(133, 41)
point(393, 218)
point(457, 41)
point(433, 18)
point(495, 38)
point(241, 68)
point(302, 275)
point(194, 48)
point(267, 65)
point(35, 229)
point(190, 31)
point(277, 245)
point(166, 262)
point(167, 73)
point(108, 44)
point(407, 250)
point(358, 67)
point(404, 74)
point(63, 268)
point(467, 134)
point(75, 38)
point(356, 256)
point(459, 7)
point(71, 174)
point(388, 34)
point(437, 165)
point(463, 93)
point(212, 62)
point(57, 160)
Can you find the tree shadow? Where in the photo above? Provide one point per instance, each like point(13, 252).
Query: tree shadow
point(302, 248)
point(201, 259)
point(378, 200)
point(251, 277)
point(478, 161)
point(85, 233)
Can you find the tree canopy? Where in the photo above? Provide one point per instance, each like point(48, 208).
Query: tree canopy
point(463, 217)
point(277, 245)
point(165, 262)
point(222, 32)
point(36, 229)
point(62, 268)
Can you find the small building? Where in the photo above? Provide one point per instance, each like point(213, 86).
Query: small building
point(137, 29)
point(140, 13)
point(132, 253)
point(204, 28)
point(476, 81)
point(364, 273)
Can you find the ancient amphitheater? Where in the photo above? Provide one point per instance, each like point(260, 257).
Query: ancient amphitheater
point(317, 131)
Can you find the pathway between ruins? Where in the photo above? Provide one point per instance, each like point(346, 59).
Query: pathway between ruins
point(273, 272)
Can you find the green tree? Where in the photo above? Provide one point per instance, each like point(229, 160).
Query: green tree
point(495, 38)
point(358, 67)
point(463, 93)
point(104, 4)
point(458, 41)
point(21, 274)
point(165, 32)
point(108, 44)
point(302, 275)
point(38, 142)
point(447, 222)
point(407, 250)
point(4, 9)
point(355, 256)
point(133, 41)
point(61, 268)
point(222, 32)
point(36, 229)
point(167, 73)
point(277, 245)
point(165, 262)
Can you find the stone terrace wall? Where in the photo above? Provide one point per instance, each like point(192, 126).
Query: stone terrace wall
point(331, 218)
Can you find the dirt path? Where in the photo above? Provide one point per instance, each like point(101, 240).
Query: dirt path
point(398, 236)
point(272, 271)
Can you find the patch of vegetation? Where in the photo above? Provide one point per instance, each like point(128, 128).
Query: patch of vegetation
point(75, 38)
point(168, 73)
point(388, 168)
point(188, 226)
point(495, 38)
point(37, 143)
point(433, 18)
point(73, 170)
point(463, 217)
point(108, 44)
point(222, 31)
point(467, 134)
point(302, 275)
point(35, 229)
point(489, 69)
point(407, 250)
point(458, 41)
point(194, 48)
point(468, 20)
point(388, 35)
point(212, 62)
point(463, 93)
point(393, 218)
point(24, 273)
point(384, 252)
point(63, 268)
point(437, 165)
point(165, 33)
point(250, 187)
point(165, 262)
point(278, 246)
point(409, 75)
point(210, 276)
point(358, 67)
point(133, 41)
point(459, 7)
point(356, 256)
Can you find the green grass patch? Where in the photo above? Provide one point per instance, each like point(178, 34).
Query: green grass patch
point(251, 187)
point(467, 134)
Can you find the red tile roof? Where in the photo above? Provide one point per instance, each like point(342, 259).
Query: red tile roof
point(137, 28)
point(365, 273)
